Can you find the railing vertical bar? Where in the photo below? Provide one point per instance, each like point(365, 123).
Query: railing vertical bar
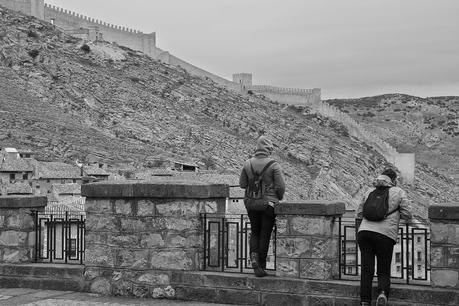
point(205, 237)
point(65, 243)
point(50, 240)
point(37, 233)
point(241, 237)
point(222, 246)
point(83, 241)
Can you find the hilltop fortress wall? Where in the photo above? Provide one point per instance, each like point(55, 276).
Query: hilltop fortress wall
point(294, 96)
point(68, 20)
point(29, 7)
point(405, 162)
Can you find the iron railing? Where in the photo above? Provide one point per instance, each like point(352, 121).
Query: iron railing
point(226, 244)
point(59, 237)
point(410, 259)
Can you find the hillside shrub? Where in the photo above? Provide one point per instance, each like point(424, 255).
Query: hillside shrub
point(33, 53)
point(85, 48)
point(32, 34)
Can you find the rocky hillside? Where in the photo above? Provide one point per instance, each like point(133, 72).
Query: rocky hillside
point(100, 102)
point(427, 126)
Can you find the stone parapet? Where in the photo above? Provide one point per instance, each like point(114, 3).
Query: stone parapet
point(155, 189)
point(17, 227)
point(444, 220)
point(307, 239)
point(138, 232)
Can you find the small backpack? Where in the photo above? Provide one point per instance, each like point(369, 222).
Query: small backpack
point(376, 205)
point(255, 198)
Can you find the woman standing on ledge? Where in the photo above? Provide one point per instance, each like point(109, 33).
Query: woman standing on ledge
point(377, 238)
point(273, 185)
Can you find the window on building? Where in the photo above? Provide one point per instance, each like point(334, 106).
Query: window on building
point(419, 268)
point(52, 20)
point(398, 269)
point(12, 177)
point(72, 252)
point(397, 257)
point(418, 239)
point(47, 180)
point(349, 270)
point(24, 176)
point(74, 180)
point(419, 255)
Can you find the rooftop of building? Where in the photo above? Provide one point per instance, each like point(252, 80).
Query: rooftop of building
point(57, 170)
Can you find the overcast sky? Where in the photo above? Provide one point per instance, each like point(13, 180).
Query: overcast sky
point(349, 48)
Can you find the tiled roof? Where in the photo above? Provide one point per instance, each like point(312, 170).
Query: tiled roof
point(216, 178)
point(94, 170)
point(48, 170)
point(19, 188)
point(16, 165)
point(71, 188)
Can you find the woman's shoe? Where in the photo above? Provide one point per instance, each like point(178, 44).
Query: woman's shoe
point(381, 300)
point(257, 269)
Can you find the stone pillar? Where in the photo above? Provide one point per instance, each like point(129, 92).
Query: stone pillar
point(137, 233)
point(307, 239)
point(444, 253)
point(17, 227)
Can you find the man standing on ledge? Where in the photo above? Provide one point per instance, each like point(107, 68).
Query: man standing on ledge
point(272, 187)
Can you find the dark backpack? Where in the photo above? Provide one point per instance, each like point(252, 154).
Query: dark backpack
point(376, 206)
point(255, 198)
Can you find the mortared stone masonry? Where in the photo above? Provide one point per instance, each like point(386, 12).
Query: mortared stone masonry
point(138, 232)
point(444, 230)
point(17, 227)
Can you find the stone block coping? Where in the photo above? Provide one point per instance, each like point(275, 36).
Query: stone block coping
point(155, 189)
point(23, 201)
point(313, 207)
point(447, 211)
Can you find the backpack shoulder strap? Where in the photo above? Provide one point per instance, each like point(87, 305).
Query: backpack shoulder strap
point(266, 167)
point(395, 209)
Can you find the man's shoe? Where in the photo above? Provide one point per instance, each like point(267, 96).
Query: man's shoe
point(257, 269)
point(381, 300)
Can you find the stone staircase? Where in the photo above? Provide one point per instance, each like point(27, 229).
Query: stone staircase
point(42, 276)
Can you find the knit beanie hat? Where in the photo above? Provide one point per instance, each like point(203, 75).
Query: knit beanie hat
point(264, 145)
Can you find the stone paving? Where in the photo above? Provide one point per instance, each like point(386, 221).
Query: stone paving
point(34, 297)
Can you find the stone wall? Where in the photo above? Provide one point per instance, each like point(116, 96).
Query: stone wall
point(17, 227)
point(292, 96)
point(307, 239)
point(444, 245)
point(29, 7)
point(68, 20)
point(137, 233)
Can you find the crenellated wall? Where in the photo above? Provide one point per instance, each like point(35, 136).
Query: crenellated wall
point(293, 96)
point(29, 7)
point(134, 39)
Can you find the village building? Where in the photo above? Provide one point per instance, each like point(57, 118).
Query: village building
point(98, 173)
point(49, 173)
point(14, 169)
